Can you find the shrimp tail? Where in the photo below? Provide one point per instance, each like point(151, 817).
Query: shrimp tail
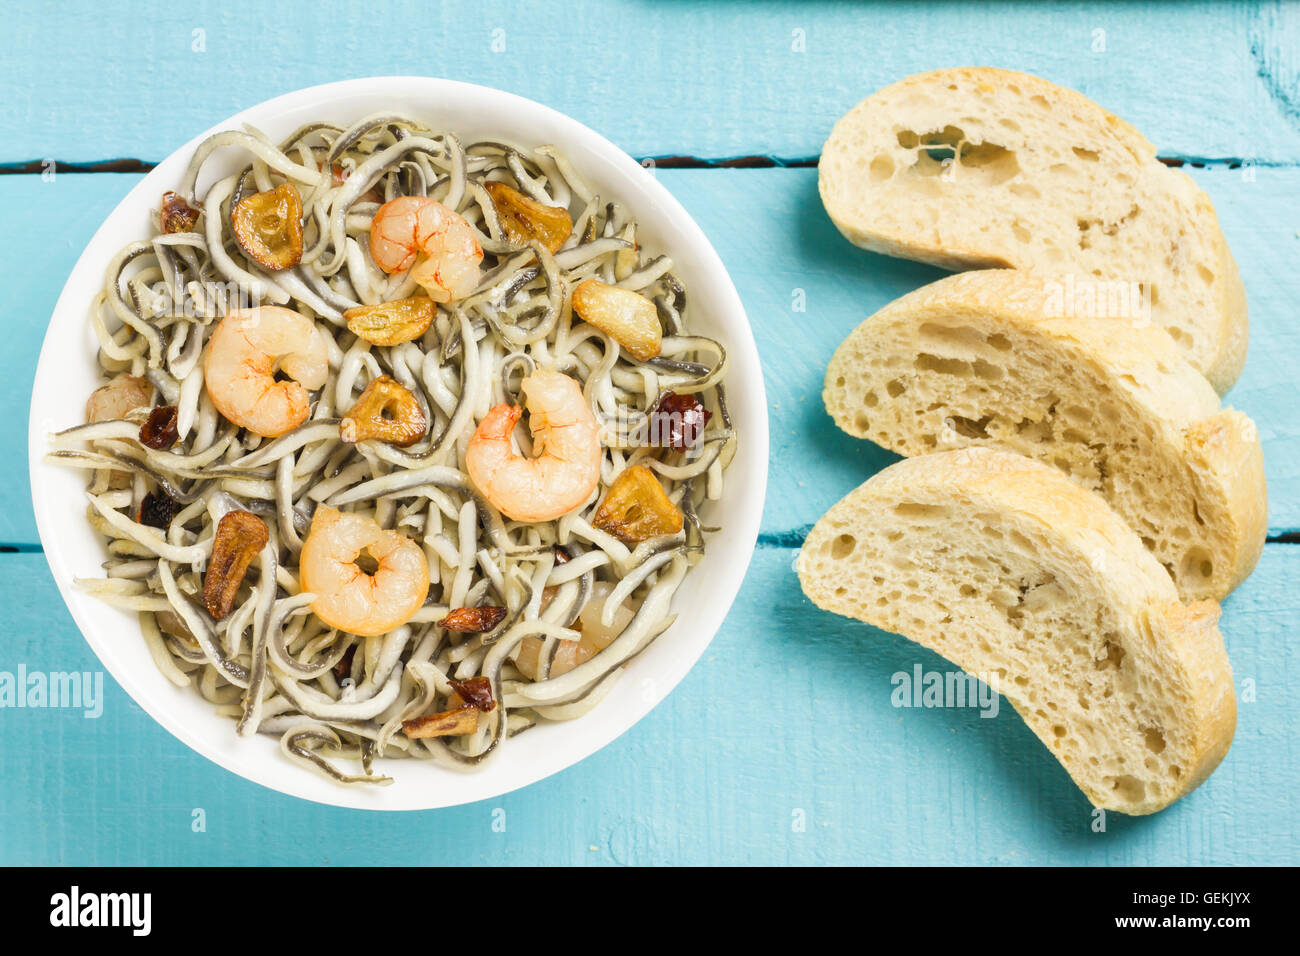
point(500, 421)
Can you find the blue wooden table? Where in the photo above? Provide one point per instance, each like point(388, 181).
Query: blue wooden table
point(782, 746)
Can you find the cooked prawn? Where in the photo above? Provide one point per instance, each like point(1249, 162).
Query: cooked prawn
point(350, 597)
point(565, 468)
point(122, 395)
point(246, 351)
point(421, 232)
point(595, 636)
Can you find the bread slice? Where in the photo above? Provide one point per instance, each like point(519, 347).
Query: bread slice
point(1019, 576)
point(985, 358)
point(977, 168)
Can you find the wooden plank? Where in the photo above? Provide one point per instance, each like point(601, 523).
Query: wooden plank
point(783, 254)
point(781, 747)
point(694, 77)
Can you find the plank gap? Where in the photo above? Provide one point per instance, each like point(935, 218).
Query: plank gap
point(792, 540)
point(42, 167)
point(733, 162)
point(37, 167)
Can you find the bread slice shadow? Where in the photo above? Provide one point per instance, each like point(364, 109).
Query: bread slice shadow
point(1003, 760)
point(879, 278)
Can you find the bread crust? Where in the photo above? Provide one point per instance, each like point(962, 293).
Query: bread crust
point(1236, 320)
point(1192, 632)
point(1226, 448)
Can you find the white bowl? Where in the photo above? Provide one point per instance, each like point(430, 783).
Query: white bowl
point(67, 373)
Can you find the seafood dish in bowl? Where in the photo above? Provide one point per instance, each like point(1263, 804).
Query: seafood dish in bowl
point(404, 440)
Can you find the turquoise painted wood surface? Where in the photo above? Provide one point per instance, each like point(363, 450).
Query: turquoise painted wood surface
point(709, 77)
point(782, 746)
